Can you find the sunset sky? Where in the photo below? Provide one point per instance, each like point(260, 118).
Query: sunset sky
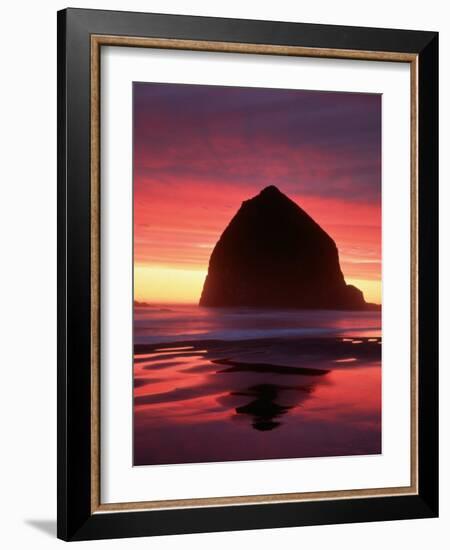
point(199, 151)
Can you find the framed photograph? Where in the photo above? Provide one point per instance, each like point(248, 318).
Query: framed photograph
point(247, 254)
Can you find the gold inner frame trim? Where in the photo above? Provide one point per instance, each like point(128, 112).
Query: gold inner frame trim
point(97, 41)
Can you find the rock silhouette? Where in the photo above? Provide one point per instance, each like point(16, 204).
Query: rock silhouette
point(273, 254)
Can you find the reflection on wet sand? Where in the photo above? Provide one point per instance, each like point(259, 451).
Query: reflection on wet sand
point(263, 408)
point(214, 400)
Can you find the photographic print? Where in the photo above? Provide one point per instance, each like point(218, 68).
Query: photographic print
point(257, 273)
point(247, 274)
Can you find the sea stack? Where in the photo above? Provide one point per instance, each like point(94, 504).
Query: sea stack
point(274, 255)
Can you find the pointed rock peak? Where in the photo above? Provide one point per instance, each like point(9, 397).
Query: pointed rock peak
point(270, 193)
point(271, 190)
point(271, 197)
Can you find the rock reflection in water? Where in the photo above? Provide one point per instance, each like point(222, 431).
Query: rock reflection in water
point(263, 408)
point(270, 401)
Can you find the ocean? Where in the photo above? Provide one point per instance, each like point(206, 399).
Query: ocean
point(213, 385)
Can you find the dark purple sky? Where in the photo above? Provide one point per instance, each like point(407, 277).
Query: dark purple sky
point(308, 142)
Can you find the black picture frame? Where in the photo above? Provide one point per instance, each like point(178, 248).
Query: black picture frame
point(76, 521)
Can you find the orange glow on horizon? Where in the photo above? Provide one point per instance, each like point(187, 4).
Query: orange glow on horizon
point(159, 285)
point(174, 238)
point(167, 285)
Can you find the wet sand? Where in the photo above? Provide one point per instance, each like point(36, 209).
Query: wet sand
point(216, 400)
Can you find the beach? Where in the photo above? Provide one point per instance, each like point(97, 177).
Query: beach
point(222, 384)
